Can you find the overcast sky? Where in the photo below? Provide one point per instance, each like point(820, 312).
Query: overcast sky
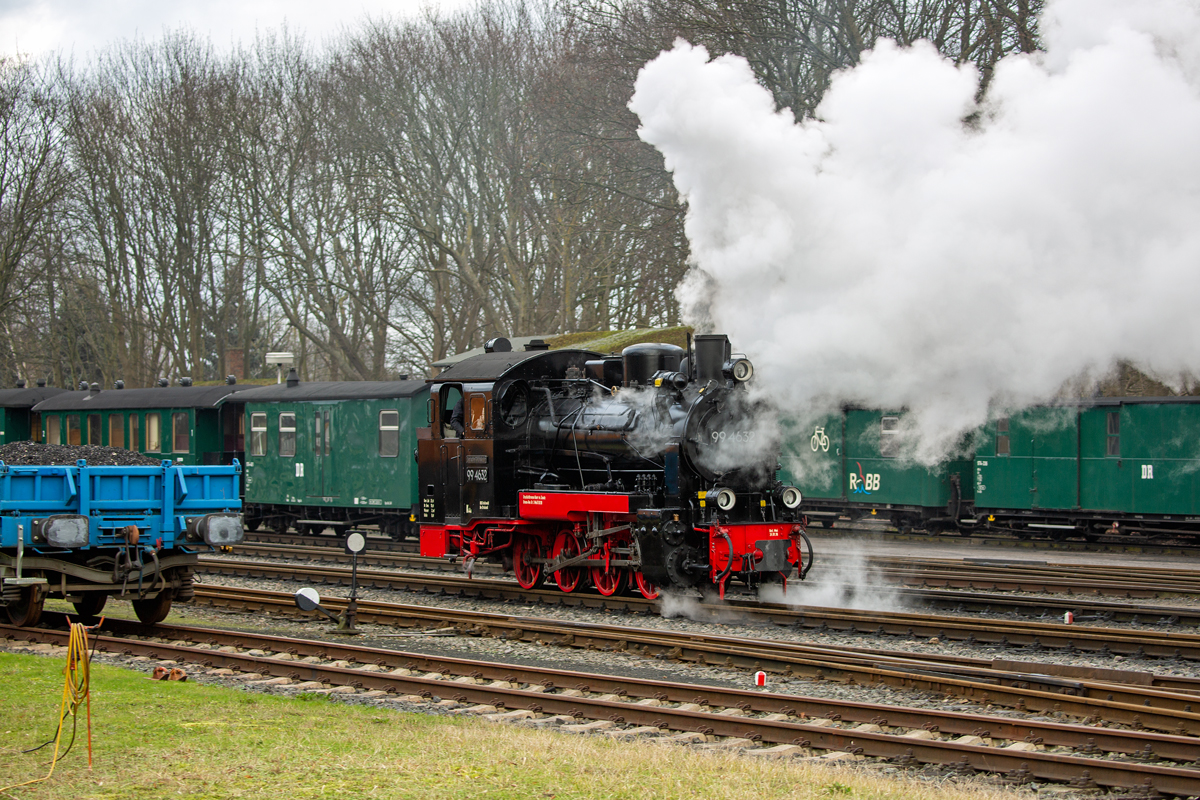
point(36, 27)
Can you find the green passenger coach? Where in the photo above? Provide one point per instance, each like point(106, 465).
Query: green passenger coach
point(333, 454)
point(18, 421)
point(1105, 465)
point(851, 465)
point(190, 425)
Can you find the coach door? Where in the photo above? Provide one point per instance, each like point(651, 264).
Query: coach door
point(451, 454)
point(324, 479)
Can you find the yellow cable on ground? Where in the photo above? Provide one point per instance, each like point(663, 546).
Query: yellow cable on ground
point(75, 693)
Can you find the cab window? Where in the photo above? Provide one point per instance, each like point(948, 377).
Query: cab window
point(451, 399)
point(478, 412)
point(389, 433)
point(258, 434)
point(1002, 445)
point(1114, 433)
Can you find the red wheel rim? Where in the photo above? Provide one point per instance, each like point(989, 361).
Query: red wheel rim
point(608, 583)
point(529, 574)
point(567, 579)
point(647, 589)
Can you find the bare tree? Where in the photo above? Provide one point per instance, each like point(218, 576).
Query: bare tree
point(795, 46)
point(34, 178)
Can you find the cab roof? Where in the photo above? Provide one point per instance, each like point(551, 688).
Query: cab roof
point(527, 364)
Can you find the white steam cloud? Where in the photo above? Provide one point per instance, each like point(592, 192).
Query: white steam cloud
point(890, 254)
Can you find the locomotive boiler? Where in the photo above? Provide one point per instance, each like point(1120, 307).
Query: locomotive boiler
point(652, 468)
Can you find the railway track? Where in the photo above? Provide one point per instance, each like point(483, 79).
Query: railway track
point(1168, 704)
point(1014, 633)
point(757, 722)
point(968, 573)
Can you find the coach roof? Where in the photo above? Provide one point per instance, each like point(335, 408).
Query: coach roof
point(27, 398)
point(159, 397)
point(331, 390)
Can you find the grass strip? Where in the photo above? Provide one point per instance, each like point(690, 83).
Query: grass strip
point(158, 739)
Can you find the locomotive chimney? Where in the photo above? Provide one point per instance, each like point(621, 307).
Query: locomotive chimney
point(712, 351)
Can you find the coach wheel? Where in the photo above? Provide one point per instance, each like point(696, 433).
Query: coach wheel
point(528, 571)
point(645, 587)
point(91, 604)
point(27, 611)
point(608, 583)
point(567, 546)
point(154, 609)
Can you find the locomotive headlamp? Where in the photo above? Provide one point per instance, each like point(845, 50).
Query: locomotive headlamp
point(725, 498)
point(740, 369)
point(791, 497)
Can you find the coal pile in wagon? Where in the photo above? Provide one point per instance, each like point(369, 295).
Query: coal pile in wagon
point(35, 453)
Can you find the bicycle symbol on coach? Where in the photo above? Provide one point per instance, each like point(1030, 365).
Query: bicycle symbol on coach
point(819, 440)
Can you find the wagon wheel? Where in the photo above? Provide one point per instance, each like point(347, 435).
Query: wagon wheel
point(645, 587)
point(90, 605)
point(609, 583)
point(279, 525)
point(26, 612)
point(154, 609)
point(529, 574)
point(569, 579)
point(253, 523)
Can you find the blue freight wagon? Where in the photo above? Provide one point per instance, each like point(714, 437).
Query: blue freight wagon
point(86, 533)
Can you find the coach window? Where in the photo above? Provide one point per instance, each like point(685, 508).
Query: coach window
point(389, 434)
point(180, 432)
point(258, 434)
point(135, 441)
point(154, 433)
point(53, 430)
point(287, 435)
point(1002, 447)
point(93, 429)
point(322, 432)
point(74, 435)
point(888, 443)
point(1114, 433)
point(116, 430)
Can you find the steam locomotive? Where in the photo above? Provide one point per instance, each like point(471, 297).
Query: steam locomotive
point(652, 468)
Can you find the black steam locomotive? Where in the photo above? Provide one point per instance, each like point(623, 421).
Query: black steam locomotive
point(652, 468)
